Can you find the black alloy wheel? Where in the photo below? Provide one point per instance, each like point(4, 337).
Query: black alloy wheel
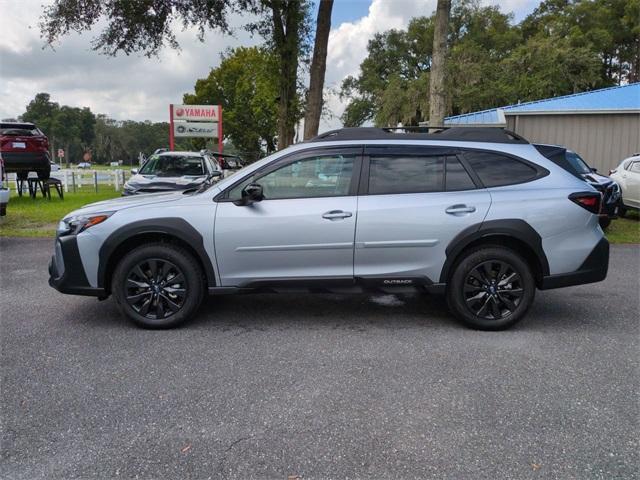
point(491, 287)
point(156, 288)
point(158, 285)
point(493, 290)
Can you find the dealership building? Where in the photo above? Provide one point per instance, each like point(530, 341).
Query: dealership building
point(603, 126)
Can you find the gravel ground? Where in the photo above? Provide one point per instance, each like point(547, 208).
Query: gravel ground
point(317, 386)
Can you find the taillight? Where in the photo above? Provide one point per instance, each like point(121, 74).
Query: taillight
point(588, 200)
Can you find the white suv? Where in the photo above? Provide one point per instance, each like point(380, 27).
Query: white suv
point(477, 214)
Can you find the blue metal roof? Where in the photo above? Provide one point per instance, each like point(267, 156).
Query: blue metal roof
point(619, 98)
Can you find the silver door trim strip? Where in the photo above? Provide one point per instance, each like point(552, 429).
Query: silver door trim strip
point(306, 246)
point(398, 243)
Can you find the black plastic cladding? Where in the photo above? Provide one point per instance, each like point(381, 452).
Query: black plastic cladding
point(464, 134)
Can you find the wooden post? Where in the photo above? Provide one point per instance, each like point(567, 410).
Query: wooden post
point(73, 180)
point(95, 179)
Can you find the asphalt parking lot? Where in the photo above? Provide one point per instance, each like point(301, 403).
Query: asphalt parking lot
point(317, 386)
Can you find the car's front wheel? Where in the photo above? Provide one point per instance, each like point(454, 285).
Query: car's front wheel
point(491, 288)
point(158, 285)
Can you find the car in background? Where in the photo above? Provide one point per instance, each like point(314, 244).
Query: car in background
point(627, 174)
point(172, 171)
point(574, 164)
point(229, 162)
point(4, 192)
point(54, 167)
point(24, 149)
point(84, 165)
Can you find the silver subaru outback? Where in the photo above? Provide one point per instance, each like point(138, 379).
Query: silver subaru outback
point(477, 214)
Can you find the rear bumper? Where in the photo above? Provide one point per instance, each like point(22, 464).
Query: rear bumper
point(66, 273)
point(26, 161)
point(593, 269)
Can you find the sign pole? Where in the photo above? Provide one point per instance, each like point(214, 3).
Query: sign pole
point(219, 128)
point(171, 141)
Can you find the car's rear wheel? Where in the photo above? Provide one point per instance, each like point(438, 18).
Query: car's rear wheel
point(491, 288)
point(158, 285)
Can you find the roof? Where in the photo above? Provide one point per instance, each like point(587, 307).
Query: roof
point(622, 98)
point(474, 134)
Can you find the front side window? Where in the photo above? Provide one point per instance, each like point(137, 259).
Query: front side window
point(635, 167)
point(174, 166)
point(496, 170)
point(405, 174)
point(319, 176)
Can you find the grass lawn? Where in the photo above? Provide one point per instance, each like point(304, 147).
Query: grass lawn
point(625, 230)
point(38, 218)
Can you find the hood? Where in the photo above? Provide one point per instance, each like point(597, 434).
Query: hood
point(121, 203)
point(154, 182)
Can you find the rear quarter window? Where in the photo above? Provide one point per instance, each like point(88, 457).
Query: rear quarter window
point(496, 170)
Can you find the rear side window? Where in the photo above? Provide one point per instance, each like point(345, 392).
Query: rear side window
point(497, 170)
point(457, 177)
point(405, 174)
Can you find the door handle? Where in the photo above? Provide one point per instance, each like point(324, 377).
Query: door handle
point(457, 209)
point(336, 215)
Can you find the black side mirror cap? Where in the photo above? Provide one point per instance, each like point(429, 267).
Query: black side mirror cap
point(251, 193)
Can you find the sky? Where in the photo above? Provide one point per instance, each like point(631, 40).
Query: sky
point(138, 88)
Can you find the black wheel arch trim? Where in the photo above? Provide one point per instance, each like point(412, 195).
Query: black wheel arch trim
point(171, 226)
point(512, 228)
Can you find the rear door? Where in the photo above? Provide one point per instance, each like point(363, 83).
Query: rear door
point(413, 201)
point(303, 229)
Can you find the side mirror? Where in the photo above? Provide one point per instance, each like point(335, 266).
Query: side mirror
point(252, 193)
point(134, 171)
point(216, 174)
point(594, 170)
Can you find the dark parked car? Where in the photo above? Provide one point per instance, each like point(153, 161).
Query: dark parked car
point(573, 163)
point(24, 149)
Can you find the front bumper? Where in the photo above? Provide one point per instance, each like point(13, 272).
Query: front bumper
point(593, 269)
point(66, 273)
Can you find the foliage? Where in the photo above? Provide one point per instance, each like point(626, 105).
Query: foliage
point(564, 46)
point(79, 130)
point(146, 26)
point(244, 85)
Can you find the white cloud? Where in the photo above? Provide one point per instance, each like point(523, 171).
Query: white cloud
point(133, 87)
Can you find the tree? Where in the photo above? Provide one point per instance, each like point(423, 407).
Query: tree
point(146, 26)
point(42, 111)
point(244, 85)
point(437, 87)
point(318, 68)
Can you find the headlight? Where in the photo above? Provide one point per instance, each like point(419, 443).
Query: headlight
point(79, 223)
point(129, 188)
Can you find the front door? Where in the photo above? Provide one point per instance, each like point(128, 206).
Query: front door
point(303, 228)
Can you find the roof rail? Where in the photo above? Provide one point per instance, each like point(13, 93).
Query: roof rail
point(462, 134)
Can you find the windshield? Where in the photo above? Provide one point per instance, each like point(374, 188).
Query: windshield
point(577, 162)
point(174, 166)
point(24, 130)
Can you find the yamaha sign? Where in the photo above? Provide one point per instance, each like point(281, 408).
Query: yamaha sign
point(195, 121)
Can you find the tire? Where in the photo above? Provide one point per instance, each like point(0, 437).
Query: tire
point(152, 301)
point(622, 211)
point(472, 301)
point(604, 222)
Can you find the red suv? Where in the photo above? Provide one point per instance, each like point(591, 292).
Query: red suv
point(24, 149)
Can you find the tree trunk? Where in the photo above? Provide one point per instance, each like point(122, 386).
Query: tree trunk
point(437, 87)
point(318, 68)
point(287, 21)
